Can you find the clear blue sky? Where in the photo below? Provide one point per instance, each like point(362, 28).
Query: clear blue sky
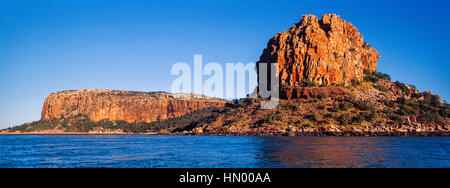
point(54, 45)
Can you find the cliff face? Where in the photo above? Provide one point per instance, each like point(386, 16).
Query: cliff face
point(132, 107)
point(326, 51)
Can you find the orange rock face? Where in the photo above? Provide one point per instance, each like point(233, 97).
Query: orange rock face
point(132, 107)
point(326, 51)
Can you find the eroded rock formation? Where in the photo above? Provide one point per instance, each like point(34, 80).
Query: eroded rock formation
point(132, 107)
point(326, 51)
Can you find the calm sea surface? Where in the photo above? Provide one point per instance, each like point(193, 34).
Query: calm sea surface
point(222, 152)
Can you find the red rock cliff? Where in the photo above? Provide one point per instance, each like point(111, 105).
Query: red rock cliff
point(132, 107)
point(324, 51)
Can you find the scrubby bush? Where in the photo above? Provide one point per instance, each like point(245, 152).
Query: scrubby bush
point(335, 108)
point(309, 83)
point(416, 95)
point(381, 88)
point(295, 121)
point(365, 116)
point(430, 117)
point(430, 109)
point(359, 118)
point(365, 105)
point(308, 125)
point(402, 112)
point(346, 105)
point(365, 45)
point(375, 76)
point(345, 119)
point(277, 116)
point(312, 117)
point(383, 76)
point(433, 100)
point(402, 100)
point(385, 111)
point(444, 112)
point(403, 87)
point(321, 96)
point(369, 77)
point(397, 118)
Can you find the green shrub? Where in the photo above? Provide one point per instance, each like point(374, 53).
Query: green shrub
point(373, 115)
point(336, 108)
point(312, 117)
point(345, 119)
point(294, 122)
point(432, 100)
point(364, 105)
point(444, 112)
point(309, 83)
point(308, 125)
point(386, 111)
point(371, 78)
point(430, 117)
point(321, 96)
point(375, 76)
point(397, 118)
point(384, 76)
point(402, 87)
point(273, 117)
point(402, 112)
point(365, 116)
point(402, 100)
point(416, 95)
point(381, 88)
point(365, 45)
point(346, 105)
point(359, 118)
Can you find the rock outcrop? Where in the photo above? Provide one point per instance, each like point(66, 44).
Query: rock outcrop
point(132, 107)
point(327, 51)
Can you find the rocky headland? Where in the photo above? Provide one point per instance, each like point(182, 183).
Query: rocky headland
point(329, 86)
point(89, 110)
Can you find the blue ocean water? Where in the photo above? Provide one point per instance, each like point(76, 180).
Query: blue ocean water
point(222, 151)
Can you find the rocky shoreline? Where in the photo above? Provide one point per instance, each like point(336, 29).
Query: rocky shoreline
point(76, 133)
point(369, 131)
point(328, 134)
point(293, 134)
point(338, 131)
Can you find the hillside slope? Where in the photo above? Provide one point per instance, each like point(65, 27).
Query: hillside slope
point(368, 108)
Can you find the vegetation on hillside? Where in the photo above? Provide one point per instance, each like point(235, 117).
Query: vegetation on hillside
point(81, 123)
point(409, 108)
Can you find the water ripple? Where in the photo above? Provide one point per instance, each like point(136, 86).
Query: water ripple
point(222, 152)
